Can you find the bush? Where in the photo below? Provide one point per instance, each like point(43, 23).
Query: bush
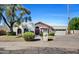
point(2, 32)
point(51, 34)
point(28, 36)
point(11, 33)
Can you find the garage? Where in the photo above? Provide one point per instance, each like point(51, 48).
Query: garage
point(60, 30)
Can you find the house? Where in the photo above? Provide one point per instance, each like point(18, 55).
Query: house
point(43, 27)
point(59, 30)
point(30, 26)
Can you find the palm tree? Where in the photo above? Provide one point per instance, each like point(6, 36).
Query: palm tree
point(10, 17)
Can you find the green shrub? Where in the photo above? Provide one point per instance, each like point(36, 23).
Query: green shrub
point(2, 32)
point(51, 34)
point(28, 36)
point(11, 33)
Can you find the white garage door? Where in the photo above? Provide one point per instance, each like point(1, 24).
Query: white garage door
point(60, 32)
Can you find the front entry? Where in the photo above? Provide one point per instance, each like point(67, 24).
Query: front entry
point(37, 31)
point(19, 31)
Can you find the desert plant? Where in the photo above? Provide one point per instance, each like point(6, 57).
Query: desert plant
point(28, 36)
point(2, 32)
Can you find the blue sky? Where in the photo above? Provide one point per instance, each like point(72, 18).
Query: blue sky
point(74, 10)
point(52, 14)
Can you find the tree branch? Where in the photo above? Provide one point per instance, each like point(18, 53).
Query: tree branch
point(5, 20)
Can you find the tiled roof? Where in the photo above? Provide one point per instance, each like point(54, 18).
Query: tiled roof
point(44, 24)
point(53, 27)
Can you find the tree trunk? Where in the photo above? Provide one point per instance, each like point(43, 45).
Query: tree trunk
point(73, 31)
point(11, 29)
point(69, 32)
point(5, 21)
